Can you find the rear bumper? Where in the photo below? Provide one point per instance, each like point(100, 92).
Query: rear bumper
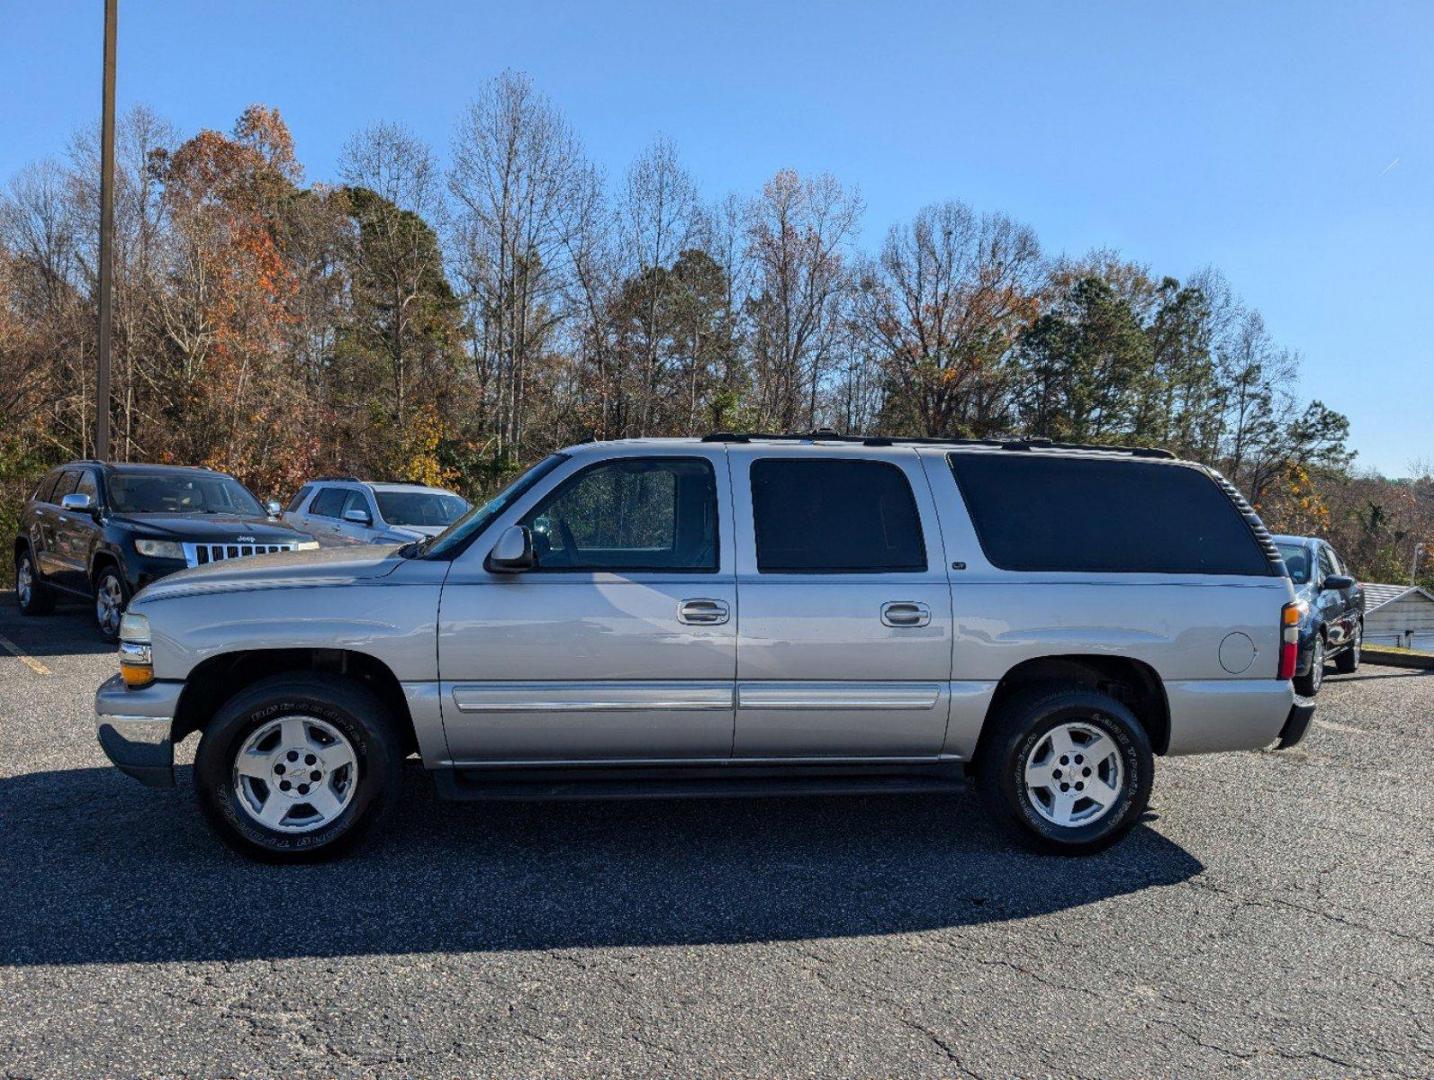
point(1215, 715)
point(1297, 724)
point(134, 729)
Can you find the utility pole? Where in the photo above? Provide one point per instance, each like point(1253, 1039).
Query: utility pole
point(107, 228)
point(1414, 564)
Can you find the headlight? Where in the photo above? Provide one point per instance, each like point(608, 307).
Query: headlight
point(306, 545)
point(136, 658)
point(160, 549)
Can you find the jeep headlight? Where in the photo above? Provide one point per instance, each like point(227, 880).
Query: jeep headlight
point(136, 658)
point(160, 549)
point(306, 545)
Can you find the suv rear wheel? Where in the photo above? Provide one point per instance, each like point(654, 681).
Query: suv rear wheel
point(1071, 768)
point(32, 594)
point(298, 767)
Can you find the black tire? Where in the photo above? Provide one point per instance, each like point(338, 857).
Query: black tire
point(1308, 685)
point(1023, 726)
point(1347, 662)
point(345, 705)
point(40, 599)
point(109, 578)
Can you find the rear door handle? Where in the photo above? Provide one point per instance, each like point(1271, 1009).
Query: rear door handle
point(703, 612)
point(905, 613)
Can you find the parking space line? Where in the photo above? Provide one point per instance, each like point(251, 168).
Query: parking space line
point(29, 661)
point(1332, 726)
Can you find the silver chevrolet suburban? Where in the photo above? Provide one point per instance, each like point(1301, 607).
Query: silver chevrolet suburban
point(732, 615)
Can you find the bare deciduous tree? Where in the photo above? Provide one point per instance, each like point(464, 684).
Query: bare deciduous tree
point(518, 176)
point(798, 232)
point(942, 308)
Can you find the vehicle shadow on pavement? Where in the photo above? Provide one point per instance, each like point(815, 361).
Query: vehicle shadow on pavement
point(99, 870)
point(67, 631)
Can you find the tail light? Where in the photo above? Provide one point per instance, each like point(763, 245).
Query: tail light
point(1289, 640)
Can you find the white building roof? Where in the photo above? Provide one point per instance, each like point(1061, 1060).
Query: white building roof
point(1376, 596)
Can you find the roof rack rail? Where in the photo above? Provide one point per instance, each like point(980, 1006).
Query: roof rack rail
point(336, 479)
point(828, 435)
point(1105, 448)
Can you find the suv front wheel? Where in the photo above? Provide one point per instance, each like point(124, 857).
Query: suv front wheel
point(1347, 662)
point(110, 600)
point(298, 767)
point(1071, 768)
point(1308, 685)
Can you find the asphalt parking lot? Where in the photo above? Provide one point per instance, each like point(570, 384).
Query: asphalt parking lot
point(1274, 916)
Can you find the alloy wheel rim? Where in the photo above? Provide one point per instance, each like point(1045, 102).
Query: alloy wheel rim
point(23, 581)
point(109, 602)
point(295, 774)
point(1074, 774)
point(1317, 664)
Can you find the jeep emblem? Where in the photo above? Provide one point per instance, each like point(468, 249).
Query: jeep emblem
point(244, 539)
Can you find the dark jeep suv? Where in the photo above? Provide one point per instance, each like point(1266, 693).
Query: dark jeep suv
point(106, 531)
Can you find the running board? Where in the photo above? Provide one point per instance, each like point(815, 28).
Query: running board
point(476, 785)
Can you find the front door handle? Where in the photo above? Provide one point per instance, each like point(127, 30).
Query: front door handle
point(905, 613)
point(703, 612)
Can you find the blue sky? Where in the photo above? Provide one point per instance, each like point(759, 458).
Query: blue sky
point(1290, 145)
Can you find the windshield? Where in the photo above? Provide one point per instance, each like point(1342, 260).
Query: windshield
point(466, 529)
point(1297, 561)
point(419, 507)
point(180, 493)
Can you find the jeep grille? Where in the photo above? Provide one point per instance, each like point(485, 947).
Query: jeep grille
point(203, 554)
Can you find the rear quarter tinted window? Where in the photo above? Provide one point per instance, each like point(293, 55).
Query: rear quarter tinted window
point(834, 516)
point(298, 499)
point(329, 502)
point(1043, 513)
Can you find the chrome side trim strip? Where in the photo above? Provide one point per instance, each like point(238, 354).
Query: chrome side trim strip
point(550, 697)
point(735, 764)
point(838, 695)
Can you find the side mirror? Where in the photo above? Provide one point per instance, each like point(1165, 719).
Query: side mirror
point(273, 507)
point(513, 553)
point(1338, 582)
point(358, 517)
point(78, 501)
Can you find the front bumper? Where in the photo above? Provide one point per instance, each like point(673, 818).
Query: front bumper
point(1297, 724)
point(134, 728)
point(141, 570)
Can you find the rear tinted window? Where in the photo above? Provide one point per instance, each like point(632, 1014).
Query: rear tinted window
point(329, 502)
point(1297, 562)
point(1079, 514)
point(47, 486)
point(834, 516)
point(298, 499)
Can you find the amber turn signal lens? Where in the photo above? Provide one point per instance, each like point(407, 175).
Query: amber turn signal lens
point(136, 675)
